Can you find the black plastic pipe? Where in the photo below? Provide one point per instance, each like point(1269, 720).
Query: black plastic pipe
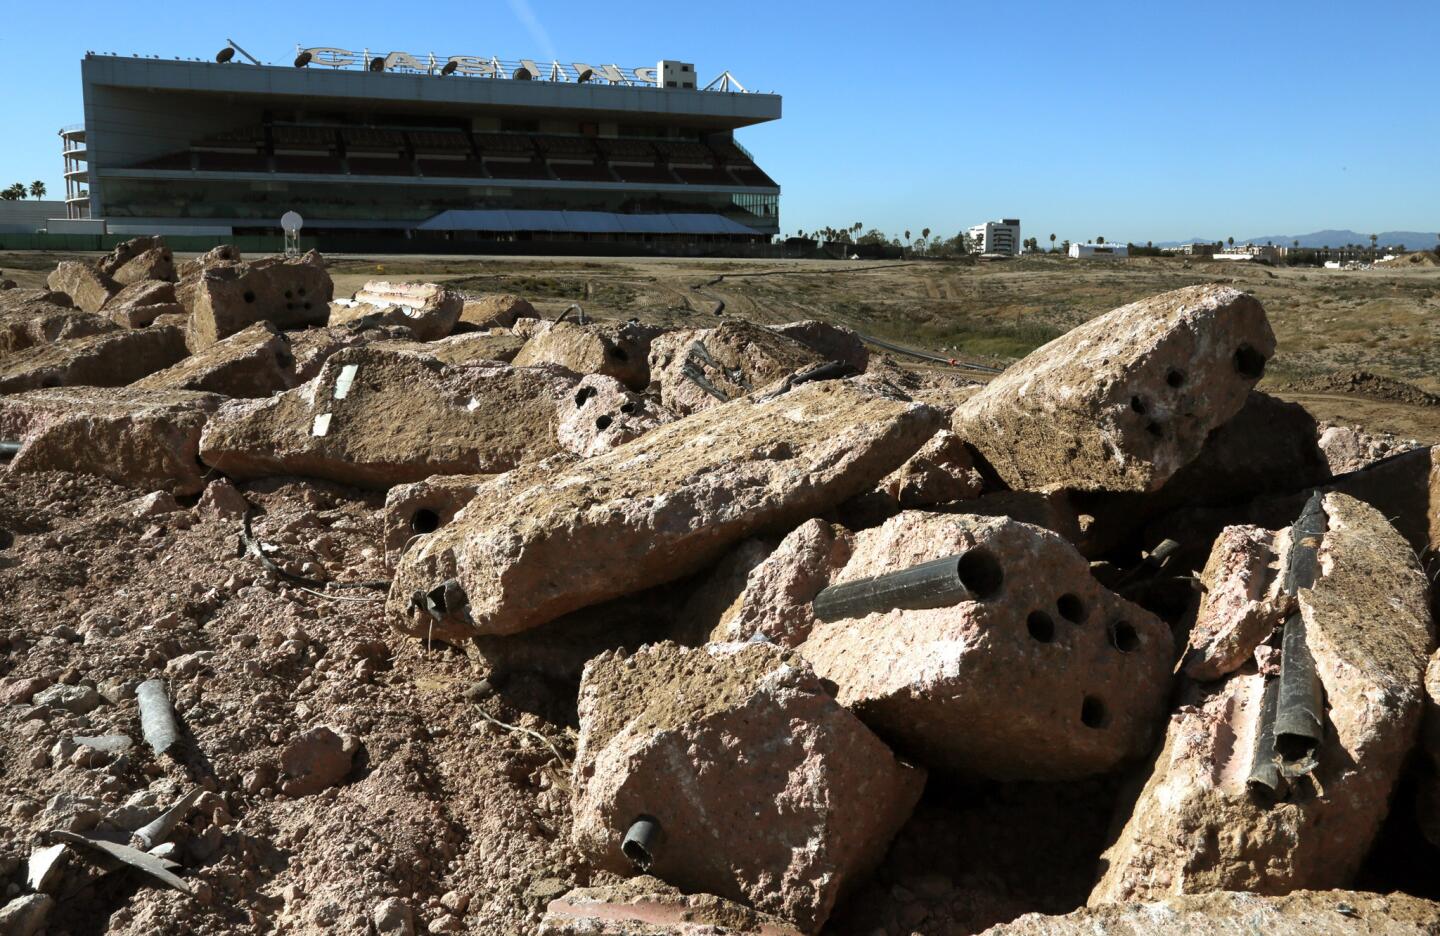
point(1299, 708)
point(969, 576)
point(640, 841)
point(1265, 777)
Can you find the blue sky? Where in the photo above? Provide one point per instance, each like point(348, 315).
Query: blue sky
point(1139, 122)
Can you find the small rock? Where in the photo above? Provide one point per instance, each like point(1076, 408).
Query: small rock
point(47, 867)
point(20, 693)
point(223, 499)
point(154, 504)
point(315, 760)
point(393, 916)
point(25, 916)
point(455, 902)
point(75, 699)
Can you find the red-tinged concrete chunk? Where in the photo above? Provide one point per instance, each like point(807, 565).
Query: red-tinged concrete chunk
point(1125, 400)
point(765, 790)
point(312, 347)
point(375, 417)
point(255, 362)
point(775, 601)
point(430, 311)
point(225, 298)
point(125, 251)
point(144, 438)
point(1045, 676)
point(1196, 827)
point(1301, 913)
point(465, 348)
point(25, 325)
point(734, 358)
point(225, 253)
point(653, 510)
point(647, 906)
point(618, 351)
point(1240, 603)
point(87, 288)
point(106, 359)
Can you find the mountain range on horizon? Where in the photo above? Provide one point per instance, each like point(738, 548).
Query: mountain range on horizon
point(1411, 240)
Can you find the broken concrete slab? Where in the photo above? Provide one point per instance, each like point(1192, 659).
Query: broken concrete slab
point(495, 311)
point(224, 298)
point(1300, 913)
point(1124, 401)
point(832, 342)
point(87, 288)
point(777, 589)
point(1039, 676)
point(942, 471)
point(255, 362)
point(139, 304)
point(157, 263)
point(312, 347)
point(1196, 826)
point(1240, 603)
point(422, 507)
point(1427, 772)
point(26, 325)
point(12, 298)
point(225, 253)
point(618, 351)
point(125, 251)
point(430, 311)
point(376, 417)
point(654, 510)
point(145, 438)
point(467, 348)
point(104, 359)
point(604, 415)
point(647, 906)
point(701, 368)
point(787, 832)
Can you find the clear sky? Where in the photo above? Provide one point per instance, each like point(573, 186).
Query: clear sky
point(1155, 121)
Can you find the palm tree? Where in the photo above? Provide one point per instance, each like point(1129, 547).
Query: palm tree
point(14, 192)
point(1231, 241)
point(1052, 243)
point(1295, 244)
point(1100, 239)
point(1373, 239)
point(37, 189)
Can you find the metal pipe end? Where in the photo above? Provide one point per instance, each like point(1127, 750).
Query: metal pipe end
point(640, 842)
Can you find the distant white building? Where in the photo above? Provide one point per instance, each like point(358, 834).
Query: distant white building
point(1082, 251)
point(997, 237)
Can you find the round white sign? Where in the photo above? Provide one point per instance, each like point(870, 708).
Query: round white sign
point(291, 222)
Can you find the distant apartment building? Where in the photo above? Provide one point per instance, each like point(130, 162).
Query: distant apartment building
point(1195, 250)
point(1086, 251)
point(997, 237)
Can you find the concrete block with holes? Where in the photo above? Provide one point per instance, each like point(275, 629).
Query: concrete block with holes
point(1125, 400)
point(1042, 674)
point(224, 298)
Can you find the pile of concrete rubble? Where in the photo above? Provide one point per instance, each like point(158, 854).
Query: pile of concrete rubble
point(796, 586)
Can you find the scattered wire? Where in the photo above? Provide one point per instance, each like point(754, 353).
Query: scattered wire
point(252, 546)
point(534, 734)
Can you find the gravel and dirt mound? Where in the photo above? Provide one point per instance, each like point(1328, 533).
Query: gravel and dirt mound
point(1366, 384)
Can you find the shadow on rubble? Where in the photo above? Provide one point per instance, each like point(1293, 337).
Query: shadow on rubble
point(977, 854)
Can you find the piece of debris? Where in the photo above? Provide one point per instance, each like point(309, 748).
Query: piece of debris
point(316, 760)
point(654, 510)
point(105, 359)
point(157, 716)
point(376, 417)
point(224, 298)
point(1367, 625)
point(253, 362)
point(647, 906)
point(670, 778)
point(495, 311)
point(1080, 675)
point(428, 310)
point(1125, 400)
point(618, 351)
point(699, 369)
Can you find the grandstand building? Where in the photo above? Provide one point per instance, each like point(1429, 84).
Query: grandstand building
point(464, 149)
